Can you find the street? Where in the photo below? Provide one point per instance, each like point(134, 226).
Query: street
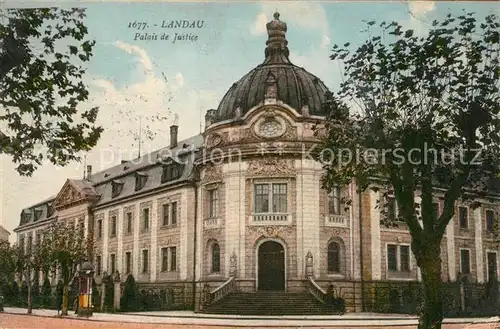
point(16, 321)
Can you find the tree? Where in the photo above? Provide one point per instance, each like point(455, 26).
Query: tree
point(130, 298)
point(41, 52)
point(7, 264)
point(67, 252)
point(418, 114)
point(29, 261)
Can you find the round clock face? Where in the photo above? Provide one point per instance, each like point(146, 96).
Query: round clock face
point(270, 129)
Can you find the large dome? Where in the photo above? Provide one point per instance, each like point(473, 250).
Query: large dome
point(293, 85)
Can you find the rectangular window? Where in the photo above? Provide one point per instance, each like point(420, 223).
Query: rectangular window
point(463, 217)
point(404, 256)
point(492, 265)
point(173, 259)
point(465, 261)
point(271, 198)
point(279, 198)
point(213, 199)
point(129, 222)
point(164, 259)
point(262, 198)
point(392, 209)
point(145, 218)
point(99, 228)
point(169, 259)
point(166, 214)
point(334, 201)
point(99, 265)
point(171, 172)
point(128, 262)
point(145, 261)
point(392, 258)
point(140, 181)
point(435, 210)
point(113, 226)
point(113, 263)
point(398, 258)
point(490, 220)
point(173, 215)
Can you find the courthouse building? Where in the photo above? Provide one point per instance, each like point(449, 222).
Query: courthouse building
point(242, 202)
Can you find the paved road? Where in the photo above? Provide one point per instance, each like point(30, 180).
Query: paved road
point(15, 321)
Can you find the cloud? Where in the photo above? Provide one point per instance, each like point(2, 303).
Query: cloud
point(143, 57)
point(421, 7)
point(259, 25)
point(418, 12)
point(309, 15)
point(325, 41)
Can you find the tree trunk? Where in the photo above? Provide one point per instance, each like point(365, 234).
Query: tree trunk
point(30, 297)
point(429, 261)
point(64, 310)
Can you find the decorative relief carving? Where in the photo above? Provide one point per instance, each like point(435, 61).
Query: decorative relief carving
point(270, 167)
point(213, 140)
point(212, 174)
point(342, 232)
point(257, 232)
point(69, 195)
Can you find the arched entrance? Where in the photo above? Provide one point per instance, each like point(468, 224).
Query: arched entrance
point(271, 266)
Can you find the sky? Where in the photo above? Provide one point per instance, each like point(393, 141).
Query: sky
point(154, 83)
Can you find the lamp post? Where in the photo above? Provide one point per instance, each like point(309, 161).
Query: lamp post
point(86, 276)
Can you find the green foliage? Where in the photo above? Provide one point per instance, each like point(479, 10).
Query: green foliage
point(47, 300)
point(424, 113)
point(7, 263)
point(414, 114)
point(24, 293)
point(130, 300)
point(96, 298)
point(42, 64)
point(16, 294)
point(109, 294)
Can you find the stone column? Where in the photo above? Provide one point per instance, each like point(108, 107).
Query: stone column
point(103, 290)
point(117, 291)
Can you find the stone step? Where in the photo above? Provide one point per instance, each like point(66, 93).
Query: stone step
point(268, 303)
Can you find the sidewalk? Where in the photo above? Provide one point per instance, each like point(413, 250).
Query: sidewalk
point(191, 318)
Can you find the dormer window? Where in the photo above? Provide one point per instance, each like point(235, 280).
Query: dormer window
point(25, 217)
point(140, 180)
point(38, 214)
point(170, 172)
point(50, 210)
point(116, 188)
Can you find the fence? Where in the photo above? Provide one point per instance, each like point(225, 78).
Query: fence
point(460, 299)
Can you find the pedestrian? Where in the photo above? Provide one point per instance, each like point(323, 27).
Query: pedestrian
point(59, 296)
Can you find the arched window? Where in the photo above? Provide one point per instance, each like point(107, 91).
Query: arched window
point(334, 257)
point(215, 258)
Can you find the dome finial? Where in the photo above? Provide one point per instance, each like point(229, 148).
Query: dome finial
point(276, 50)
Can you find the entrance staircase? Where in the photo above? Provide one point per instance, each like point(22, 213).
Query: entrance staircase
point(267, 303)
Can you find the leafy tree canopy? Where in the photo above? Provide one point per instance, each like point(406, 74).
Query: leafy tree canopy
point(422, 114)
point(42, 52)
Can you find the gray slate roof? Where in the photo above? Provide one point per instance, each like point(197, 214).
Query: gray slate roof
point(100, 183)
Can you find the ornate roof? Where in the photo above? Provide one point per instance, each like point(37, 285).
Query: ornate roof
point(275, 78)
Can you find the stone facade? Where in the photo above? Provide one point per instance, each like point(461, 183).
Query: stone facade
point(210, 205)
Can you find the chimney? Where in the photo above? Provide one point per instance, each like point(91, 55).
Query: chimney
point(89, 172)
point(173, 135)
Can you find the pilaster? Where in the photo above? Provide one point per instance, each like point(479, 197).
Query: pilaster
point(478, 242)
point(153, 250)
point(375, 236)
point(450, 248)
